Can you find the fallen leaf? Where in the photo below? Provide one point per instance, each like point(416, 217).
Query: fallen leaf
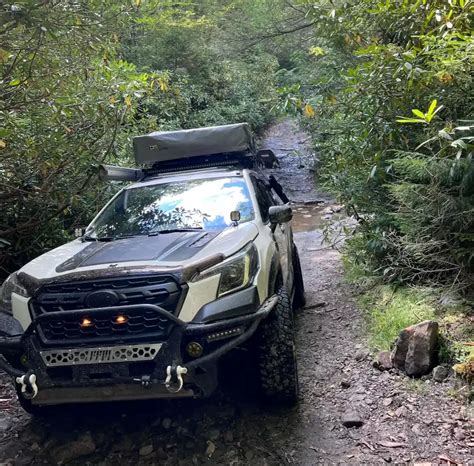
point(309, 111)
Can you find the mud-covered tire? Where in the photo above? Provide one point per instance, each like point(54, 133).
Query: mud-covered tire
point(277, 367)
point(299, 298)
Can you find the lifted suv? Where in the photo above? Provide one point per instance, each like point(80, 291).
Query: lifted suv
point(179, 268)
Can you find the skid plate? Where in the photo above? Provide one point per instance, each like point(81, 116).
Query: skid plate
point(106, 354)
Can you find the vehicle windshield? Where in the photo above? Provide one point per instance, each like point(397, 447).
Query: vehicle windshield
point(189, 204)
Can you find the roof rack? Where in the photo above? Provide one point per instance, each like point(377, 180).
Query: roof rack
point(239, 160)
point(232, 159)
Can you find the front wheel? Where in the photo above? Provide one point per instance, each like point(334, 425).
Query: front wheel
point(277, 367)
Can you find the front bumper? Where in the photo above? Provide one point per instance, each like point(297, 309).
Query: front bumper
point(65, 378)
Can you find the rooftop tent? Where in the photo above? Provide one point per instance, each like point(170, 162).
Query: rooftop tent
point(163, 146)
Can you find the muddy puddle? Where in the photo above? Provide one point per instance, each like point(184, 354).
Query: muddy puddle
point(317, 216)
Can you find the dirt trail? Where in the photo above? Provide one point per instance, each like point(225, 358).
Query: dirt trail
point(403, 421)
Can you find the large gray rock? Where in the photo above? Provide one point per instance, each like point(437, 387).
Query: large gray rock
point(399, 352)
point(415, 348)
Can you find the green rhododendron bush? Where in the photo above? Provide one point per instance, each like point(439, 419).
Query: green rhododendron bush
point(80, 79)
point(391, 85)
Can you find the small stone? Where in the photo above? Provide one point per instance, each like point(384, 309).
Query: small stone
point(146, 450)
point(211, 448)
point(351, 419)
point(166, 423)
point(387, 401)
point(401, 411)
point(440, 373)
point(361, 355)
point(383, 361)
point(345, 383)
point(459, 435)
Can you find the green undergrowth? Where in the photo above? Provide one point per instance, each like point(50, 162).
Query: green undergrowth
point(390, 309)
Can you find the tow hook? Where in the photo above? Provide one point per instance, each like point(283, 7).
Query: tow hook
point(174, 378)
point(29, 389)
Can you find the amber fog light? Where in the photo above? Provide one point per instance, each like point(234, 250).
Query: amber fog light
point(86, 322)
point(194, 349)
point(121, 320)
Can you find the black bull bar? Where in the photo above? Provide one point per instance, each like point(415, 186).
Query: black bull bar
point(14, 346)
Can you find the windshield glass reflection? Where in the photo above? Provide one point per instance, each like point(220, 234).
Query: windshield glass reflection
point(190, 204)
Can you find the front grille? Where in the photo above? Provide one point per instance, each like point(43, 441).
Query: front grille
point(159, 290)
point(138, 324)
point(83, 356)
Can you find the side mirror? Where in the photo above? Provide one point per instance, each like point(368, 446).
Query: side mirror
point(267, 158)
point(280, 214)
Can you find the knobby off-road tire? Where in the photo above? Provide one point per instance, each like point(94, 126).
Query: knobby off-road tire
point(277, 368)
point(299, 298)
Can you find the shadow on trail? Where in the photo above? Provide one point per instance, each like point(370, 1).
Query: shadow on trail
point(182, 431)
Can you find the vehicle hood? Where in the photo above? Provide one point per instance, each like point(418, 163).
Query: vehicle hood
point(170, 250)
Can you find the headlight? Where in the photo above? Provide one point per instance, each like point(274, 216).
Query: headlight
point(236, 272)
point(10, 285)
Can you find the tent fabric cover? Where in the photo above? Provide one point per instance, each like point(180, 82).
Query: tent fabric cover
point(161, 146)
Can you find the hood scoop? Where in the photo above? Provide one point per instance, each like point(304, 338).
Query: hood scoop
point(171, 247)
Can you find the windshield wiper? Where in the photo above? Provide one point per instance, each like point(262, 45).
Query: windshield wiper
point(107, 238)
point(174, 230)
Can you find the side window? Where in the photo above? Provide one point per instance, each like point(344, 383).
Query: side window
point(264, 198)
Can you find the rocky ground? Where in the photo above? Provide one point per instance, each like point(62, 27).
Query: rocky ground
point(394, 419)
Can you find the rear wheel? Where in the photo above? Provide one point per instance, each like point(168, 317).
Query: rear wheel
point(299, 299)
point(277, 367)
